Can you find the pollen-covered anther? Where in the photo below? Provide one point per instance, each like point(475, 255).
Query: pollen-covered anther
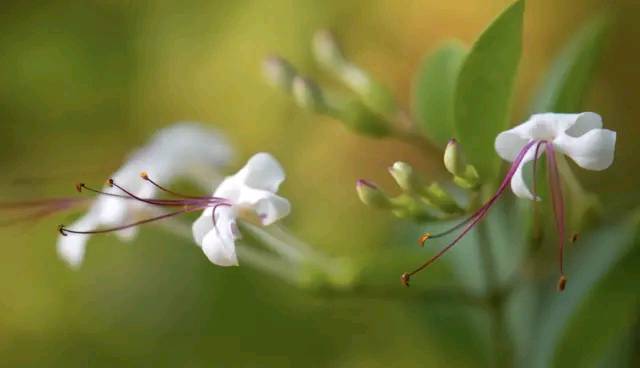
point(144, 175)
point(562, 283)
point(405, 278)
point(61, 230)
point(423, 238)
point(110, 182)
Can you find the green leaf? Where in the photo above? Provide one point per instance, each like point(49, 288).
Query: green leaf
point(433, 91)
point(565, 85)
point(588, 335)
point(484, 88)
point(595, 255)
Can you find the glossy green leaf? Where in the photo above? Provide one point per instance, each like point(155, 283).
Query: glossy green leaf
point(433, 91)
point(565, 85)
point(595, 256)
point(484, 88)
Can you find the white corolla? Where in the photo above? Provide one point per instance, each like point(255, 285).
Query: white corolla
point(250, 195)
point(186, 150)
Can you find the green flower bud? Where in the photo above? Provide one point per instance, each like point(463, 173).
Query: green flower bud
point(373, 94)
point(453, 161)
point(406, 177)
point(326, 50)
point(279, 73)
point(371, 195)
point(464, 175)
point(309, 95)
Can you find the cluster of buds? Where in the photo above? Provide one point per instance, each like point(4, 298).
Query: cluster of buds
point(368, 108)
point(422, 201)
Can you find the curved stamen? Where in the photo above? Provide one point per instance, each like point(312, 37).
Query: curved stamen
point(65, 231)
point(535, 165)
point(167, 202)
point(476, 217)
point(558, 209)
point(158, 202)
point(146, 177)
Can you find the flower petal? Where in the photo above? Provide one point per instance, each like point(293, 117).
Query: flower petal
point(218, 251)
point(583, 123)
point(262, 171)
point(219, 243)
point(593, 150)
point(518, 184)
point(202, 226)
point(508, 144)
point(268, 206)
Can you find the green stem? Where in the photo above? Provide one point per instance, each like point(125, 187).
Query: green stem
point(496, 302)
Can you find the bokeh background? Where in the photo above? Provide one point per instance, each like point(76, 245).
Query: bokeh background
point(82, 83)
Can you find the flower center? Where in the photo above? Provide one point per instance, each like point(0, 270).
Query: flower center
point(542, 131)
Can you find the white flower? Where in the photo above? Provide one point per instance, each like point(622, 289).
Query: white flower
point(180, 150)
point(251, 194)
point(578, 136)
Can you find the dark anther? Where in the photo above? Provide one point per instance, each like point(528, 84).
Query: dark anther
point(562, 283)
point(79, 187)
point(423, 238)
point(61, 230)
point(575, 237)
point(405, 279)
point(110, 182)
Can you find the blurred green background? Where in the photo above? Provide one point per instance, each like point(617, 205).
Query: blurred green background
point(82, 83)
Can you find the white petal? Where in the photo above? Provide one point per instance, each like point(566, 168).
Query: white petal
point(71, 248)
point(262, 171)
point(593, 150)
point(508, 144)
point(219, 243)
point(518, 184)
point(268, 206)
point(202, 226)
point(187, 143)
point(219, 251)
point(583, 123)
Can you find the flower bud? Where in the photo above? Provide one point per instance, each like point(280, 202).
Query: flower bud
point(374, 95)
point(279, 73)
point(464, 175)
point(308, 94)
point(406, 177)
point(371, 195)
point(326, 50)
point(452, 160)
